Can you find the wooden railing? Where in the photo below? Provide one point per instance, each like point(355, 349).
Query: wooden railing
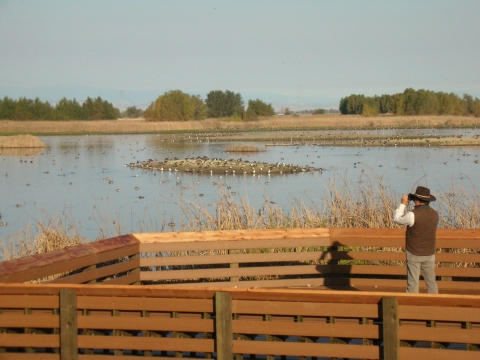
point(359, 259)
point(88, 322)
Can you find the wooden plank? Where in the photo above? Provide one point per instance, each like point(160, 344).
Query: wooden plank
point(316, 309)
point(438, 313)
point(390, 333)
point(29, 321)
point(232, 245)
point(29, 301)
point(306, 349)
point(68, 325)
point(458, 271)
point(437, 354)
point(438, 334)
point(233, 235)
point(29, 340)
point(34, 356)
point(223, 326)
point(145, 343)
point(281, 257)
point(145, 304)
point(145, 323)
point(97, 273)
point(337, 234)
point(271, 270)
point(312, 329)
point(54, 262)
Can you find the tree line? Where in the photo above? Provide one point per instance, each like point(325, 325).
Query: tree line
point(27, 109)
point(176, 105)
point(411, 102)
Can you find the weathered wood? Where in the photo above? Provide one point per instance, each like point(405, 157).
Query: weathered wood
point(390, 333)
point(223, 326)
point(68, 325)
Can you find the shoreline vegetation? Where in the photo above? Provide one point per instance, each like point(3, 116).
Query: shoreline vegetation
point(365, 204)
point(277, 130)
point(20, 142)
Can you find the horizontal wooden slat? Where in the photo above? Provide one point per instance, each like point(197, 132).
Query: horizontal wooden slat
point(233, 245)
point(32, 356)
point(305, 308)
point(98, 272)
point(437, 354)
point(305, 329)
point(145, 323)
point(272, 270)
point(439, 334)
point(146, 304)
point(29, 321)
point(274, 257)
point(29, 301)
point(145, 343)
point(233, 235)
point(29, 340)
point(439, 313)
point(306, 349)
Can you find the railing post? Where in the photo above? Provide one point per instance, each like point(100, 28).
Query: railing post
point(391, 339)
point(68, 325)
point(223, 326)
point(234, 265)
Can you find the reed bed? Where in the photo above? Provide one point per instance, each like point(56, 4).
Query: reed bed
point(243, 148)
point(21, 141)
point(368, 203)
point(283, 122)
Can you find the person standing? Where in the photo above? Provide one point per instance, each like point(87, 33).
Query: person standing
point(420, 238)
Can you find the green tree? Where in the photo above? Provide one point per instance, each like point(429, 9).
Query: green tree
point(260, 108)
point(224, 104)
point(176, 106)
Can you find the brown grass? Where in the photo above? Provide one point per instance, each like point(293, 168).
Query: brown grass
point(276, 122)
point(243, 148)
point(364, 204)
point(21, 141)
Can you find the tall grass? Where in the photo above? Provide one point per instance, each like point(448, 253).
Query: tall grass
point(283, 122)
point(21, 141)
point(368, 203)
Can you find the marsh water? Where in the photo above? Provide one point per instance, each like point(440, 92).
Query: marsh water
point(83, 180)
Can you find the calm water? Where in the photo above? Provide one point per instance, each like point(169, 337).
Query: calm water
point(84, 178)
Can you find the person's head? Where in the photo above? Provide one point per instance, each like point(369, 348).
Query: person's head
point(422, 196)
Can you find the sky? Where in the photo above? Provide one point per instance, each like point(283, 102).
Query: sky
point(297, 54)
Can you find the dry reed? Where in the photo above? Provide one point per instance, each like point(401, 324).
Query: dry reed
point(21, 141)
point(366, 204)
point(283, 122)
point(243, 148)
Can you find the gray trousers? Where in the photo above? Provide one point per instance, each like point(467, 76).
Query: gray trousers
point(424, 264)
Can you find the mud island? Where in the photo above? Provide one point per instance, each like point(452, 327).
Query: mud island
point(204, 165)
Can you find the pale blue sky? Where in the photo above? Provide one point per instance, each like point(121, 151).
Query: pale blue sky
point(288, 53)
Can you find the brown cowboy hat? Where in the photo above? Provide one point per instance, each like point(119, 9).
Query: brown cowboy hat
point(422, 194)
